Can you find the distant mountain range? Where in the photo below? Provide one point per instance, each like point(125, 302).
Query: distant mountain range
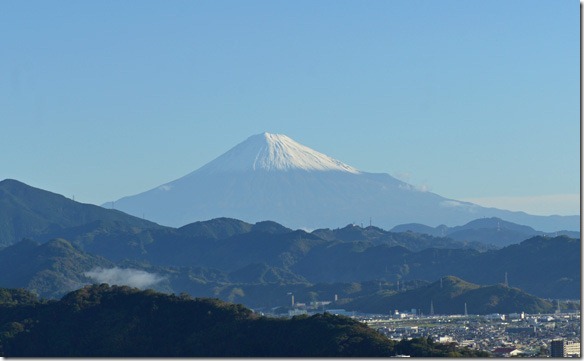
point(489, 231)
point(270, 176)
point(70, 244)
point(55, 268)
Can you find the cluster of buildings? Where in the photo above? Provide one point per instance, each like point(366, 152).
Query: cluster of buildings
point(564, 348)
point(502, 335)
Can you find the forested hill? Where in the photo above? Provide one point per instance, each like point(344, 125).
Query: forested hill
point(28, 212)
point(104, 321)
point(450, 295)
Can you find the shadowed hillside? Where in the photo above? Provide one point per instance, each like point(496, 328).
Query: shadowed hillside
point(449, 296)
point(106, 321)
point(26, 212)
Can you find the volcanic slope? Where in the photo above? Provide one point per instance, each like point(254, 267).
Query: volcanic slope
point(272, 177)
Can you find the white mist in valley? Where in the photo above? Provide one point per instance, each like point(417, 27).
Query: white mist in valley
point(124, 277)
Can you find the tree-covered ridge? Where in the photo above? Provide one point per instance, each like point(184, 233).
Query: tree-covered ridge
point(490, 230)
point(29, 212)
point(449, 296)
point(17, 296)
point(256, 264)
point(49, 269)
point(114, 321)
point(544, 266)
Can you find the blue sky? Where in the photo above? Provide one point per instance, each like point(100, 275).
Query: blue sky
point(472, 100)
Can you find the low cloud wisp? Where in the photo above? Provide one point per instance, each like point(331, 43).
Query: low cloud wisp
point(124, 277)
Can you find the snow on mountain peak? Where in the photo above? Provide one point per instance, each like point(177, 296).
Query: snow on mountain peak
point(274, 152)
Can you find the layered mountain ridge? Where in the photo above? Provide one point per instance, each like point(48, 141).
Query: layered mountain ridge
point(257, 264)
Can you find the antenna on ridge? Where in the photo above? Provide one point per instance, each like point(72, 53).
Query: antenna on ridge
point(506, 280)
point(432, 307)
point(440, 282)
point(465, 310)
point(369, 221)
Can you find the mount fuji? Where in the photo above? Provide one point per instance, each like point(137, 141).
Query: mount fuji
point(272, 177)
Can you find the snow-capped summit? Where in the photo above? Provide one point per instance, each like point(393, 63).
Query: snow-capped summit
point(274, 152)
point(272, 177)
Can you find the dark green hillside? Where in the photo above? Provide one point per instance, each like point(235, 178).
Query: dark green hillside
point(224, 243)
point(28, 212)
point(449, 296)
point(494, 223)
point(429, 263)
point(240, 244)
point(502, 299)
point(270, 227)
point(268, 295)
point(279, 250)
point(439, 231)
point(498, 238)
point(218, 228)
point(49, 269)
point(17, 296)
point(114, 240)
point(104, 321)
point(225, 228)
point(414, 241)
point(350, 232)
point(418, 242)
point(352, 262)
point(262, 273)
point(119, 321)
point(544, 266)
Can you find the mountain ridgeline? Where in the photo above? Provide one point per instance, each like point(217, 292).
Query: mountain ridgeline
point(494, 231)
point(259, 264)
point(271, 176)
point(28, 212)
point(451, 295)
point(104, 321)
